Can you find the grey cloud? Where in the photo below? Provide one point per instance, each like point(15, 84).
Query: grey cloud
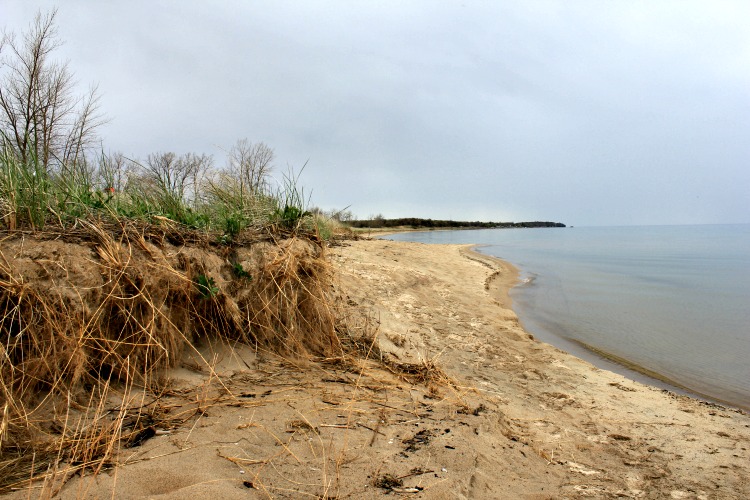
point(584, 112)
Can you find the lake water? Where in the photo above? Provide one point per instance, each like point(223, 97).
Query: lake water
point(670, 300)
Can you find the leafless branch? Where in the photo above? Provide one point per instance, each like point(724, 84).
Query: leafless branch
point(41, 116)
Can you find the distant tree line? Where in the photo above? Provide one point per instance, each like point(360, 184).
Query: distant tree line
point(416, 223)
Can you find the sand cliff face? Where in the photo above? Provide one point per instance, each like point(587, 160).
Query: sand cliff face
point(461, 402)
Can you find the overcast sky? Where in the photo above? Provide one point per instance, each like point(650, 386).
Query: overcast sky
point(583, 112)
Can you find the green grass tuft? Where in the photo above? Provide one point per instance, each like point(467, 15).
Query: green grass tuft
point(206, 286)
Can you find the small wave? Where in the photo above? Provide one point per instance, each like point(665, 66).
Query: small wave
point(527, 280)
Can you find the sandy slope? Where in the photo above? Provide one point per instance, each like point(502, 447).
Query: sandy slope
point(524, 420)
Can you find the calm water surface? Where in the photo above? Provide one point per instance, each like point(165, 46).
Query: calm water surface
point(672, 300)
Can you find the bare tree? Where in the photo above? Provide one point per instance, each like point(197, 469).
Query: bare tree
point(82, 133)
point(41, 117)
point(250, 164)
point(165, 176)
point(112, 173)
point(199, 167)
point(343, 215)
point(175, 179)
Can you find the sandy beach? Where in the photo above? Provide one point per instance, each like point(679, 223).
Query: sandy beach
point(584, 431)
point(492, 413)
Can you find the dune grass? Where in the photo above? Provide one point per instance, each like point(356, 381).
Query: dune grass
point(33, 196)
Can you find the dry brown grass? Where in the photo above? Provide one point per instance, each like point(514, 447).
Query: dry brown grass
point(90, 319)
point(290, 308)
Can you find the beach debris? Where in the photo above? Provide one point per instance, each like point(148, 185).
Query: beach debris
point(582, 469)
point(141, 437)
point(620, 437)
point(337, 426)
point(415, 489)
point(622, 387)
point(466, 410)
point(388, 482)
point(419, 439)
point(300, 425)
point(246, 425)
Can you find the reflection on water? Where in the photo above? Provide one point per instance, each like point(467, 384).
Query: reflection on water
point(670, 299)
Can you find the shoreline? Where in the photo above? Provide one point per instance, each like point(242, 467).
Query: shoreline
point(595, 356)
point(656, 379)
point(625, 367)
point(602, 358)
point(604, 433)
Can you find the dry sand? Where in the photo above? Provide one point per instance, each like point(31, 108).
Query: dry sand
point(521, 420)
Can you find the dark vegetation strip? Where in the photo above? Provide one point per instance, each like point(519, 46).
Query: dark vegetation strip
point(417, 223)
